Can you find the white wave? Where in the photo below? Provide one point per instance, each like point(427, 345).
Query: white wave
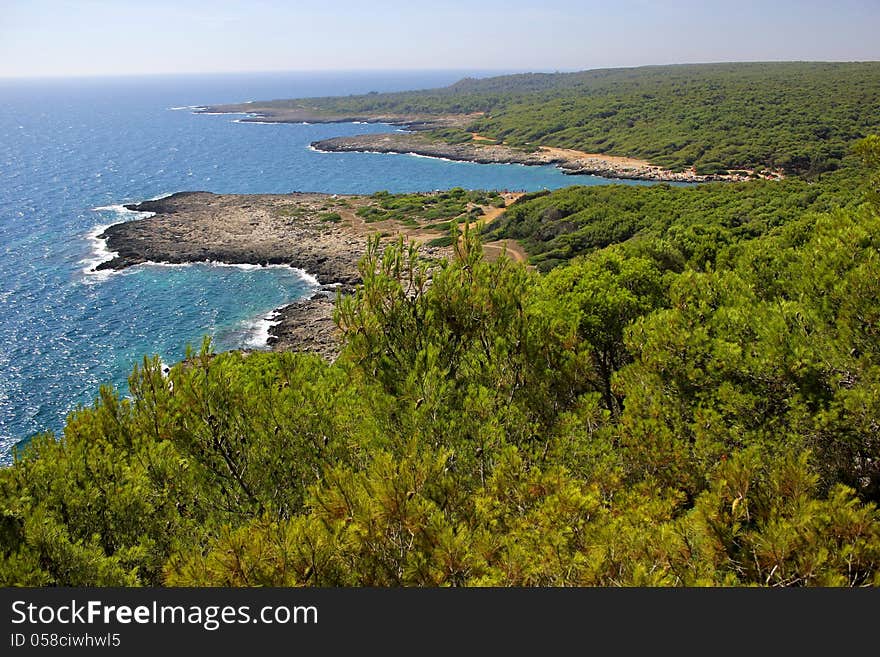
point(307, 277)
point(118, 208)
point(258, 329)
point(100, 253)
point(186, 107)
point(317, 150)
point(253, 122)
point(430, 157)
point(203, 113)
point(159, 263)
point(207, 263)
point(236, 265)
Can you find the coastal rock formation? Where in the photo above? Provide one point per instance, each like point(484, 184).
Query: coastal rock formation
point(415, 144)
point(570, 161)
point(294, 112)
point(322, 234)
point(307, 325)
point(234, 229)
point(252, 229)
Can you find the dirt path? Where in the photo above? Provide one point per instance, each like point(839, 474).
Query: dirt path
point(491, 214)
point(491, 250)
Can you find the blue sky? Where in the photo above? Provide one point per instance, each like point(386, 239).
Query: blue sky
point(118, 37)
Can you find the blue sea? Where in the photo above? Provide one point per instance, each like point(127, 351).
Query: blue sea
point(73, 151)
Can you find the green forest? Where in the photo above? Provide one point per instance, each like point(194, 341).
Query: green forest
point(798, 117)
point(688, 395)
point(695, 223)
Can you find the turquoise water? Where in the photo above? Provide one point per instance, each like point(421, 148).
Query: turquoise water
point(72, 151)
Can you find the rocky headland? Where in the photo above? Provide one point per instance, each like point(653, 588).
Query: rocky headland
point(293, 112)
point(570, 161)
point(261, 229)
point(418, 141)
point(283, 229)
point(321, 234)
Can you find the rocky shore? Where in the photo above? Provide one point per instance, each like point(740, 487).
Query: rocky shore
point(235, 229)
point(322, 234)
point(481, 150)
point(290, 112)
point(570, 161)
point(283, 229)
point(307, 325)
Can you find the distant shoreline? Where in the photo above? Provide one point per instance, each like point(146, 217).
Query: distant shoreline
point(480, 151)
point(571, 162)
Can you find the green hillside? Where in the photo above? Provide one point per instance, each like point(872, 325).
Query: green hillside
point(645, 414)
point(796, 116)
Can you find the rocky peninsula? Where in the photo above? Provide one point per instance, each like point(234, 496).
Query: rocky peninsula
point(282, 229)
point(324, 235)
point(295, 112)
point(570, 161)
point(419, 140)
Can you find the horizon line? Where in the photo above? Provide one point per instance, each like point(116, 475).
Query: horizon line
point(492, 70)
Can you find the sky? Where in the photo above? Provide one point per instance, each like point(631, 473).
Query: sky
point(40, 38)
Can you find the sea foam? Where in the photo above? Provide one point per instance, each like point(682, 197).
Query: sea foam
point(258, 329)
point(99, 251)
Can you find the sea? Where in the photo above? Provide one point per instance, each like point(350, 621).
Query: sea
point(74, 151)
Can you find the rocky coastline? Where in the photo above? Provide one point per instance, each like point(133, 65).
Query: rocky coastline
point(307, 325)
point(264, 229)
point(236, 229)
point(294, 113)
point(322, 234)
point(569, 161)
point(415, 141)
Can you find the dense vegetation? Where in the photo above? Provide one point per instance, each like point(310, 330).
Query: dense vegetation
point(435, 208)
point(795, 116)
point(627, 418)
point(693, 224)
